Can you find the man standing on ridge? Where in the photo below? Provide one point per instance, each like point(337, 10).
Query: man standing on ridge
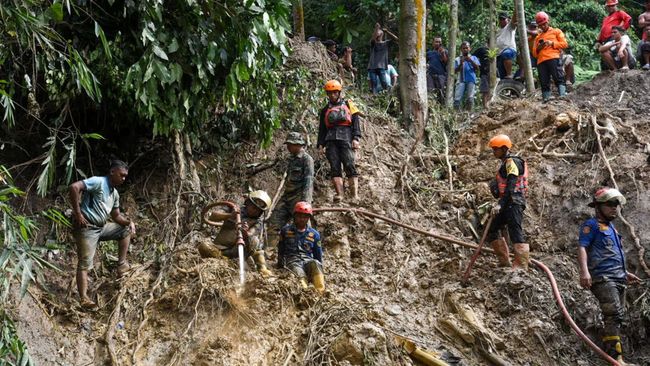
point(507, 47)
point(549, 43)
point(339, 133)
point(299, 249)
point(601, 261)
point(437, 69)
point(510, 186)
point(300, 182)
point(252, 229)
point(93, 201)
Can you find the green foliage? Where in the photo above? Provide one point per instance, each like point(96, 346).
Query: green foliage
point(18, 258)
point(13, 351)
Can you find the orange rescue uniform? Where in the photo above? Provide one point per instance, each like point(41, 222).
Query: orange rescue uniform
point(548, 53)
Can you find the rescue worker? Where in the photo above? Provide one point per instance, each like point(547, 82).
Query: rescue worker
point(299, 249)
point(93, 201)
point(252, 229)
point(549, 42)
point(299, 181)
point(338, 135)
point(510, 186)
point(601, 261)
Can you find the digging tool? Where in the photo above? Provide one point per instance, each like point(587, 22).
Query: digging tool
point(240, 237)
point(477, 252)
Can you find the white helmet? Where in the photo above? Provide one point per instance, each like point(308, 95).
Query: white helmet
point(260, 199)
point(607, 194)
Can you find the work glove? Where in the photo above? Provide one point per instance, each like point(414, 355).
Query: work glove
point(496, 209)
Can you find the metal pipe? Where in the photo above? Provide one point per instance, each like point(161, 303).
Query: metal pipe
point(540, 265)
point(240, 238)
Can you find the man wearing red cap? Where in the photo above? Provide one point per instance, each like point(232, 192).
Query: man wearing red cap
point(615, 18)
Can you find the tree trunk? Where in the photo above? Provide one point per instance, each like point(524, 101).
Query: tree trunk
point(453, 33)
point(492, 45)
point(523, 46)
point(412, 63)
point(298, 21)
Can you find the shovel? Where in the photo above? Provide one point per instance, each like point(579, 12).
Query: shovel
point(465, 279)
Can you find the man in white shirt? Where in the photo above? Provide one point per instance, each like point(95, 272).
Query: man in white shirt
point(507, 47)
point(616, 52)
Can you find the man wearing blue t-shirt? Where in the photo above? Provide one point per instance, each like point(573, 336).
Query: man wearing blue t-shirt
point(94, 201)
point(602, 266)
point(437, 70)
point(465, 66)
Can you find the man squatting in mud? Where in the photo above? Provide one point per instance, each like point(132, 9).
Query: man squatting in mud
point(299, 249)
point(602, 266)
point(252, 229)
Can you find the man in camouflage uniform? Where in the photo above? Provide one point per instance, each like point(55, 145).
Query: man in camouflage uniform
point(252, 229)
point(299, 182)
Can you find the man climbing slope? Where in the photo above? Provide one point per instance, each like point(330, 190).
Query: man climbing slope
point(338, 135)
point(510, 186)
point(299, 249)
point(601, 259)
point(252, 228)
point(300, 182)
point(94, 201)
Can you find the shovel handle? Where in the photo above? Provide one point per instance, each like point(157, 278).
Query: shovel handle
point(478, 250)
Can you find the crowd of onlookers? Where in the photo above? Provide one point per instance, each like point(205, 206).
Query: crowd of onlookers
point(549, 55)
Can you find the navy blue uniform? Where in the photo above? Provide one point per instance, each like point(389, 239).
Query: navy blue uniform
point(297, 249)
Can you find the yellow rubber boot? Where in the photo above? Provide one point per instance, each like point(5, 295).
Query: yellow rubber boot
point(260, 261)
point(522, 256)
point(500, 248)
point(303, 283)
point(318, 279)
point(207, 250)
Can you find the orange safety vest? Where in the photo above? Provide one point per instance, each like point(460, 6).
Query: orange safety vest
point(521, 186)
point(338, 115)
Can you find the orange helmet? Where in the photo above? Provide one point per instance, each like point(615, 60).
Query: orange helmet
point(303, 208)
point(541, 18)
point(500, 141)
point(333, 85)
point(611, 3)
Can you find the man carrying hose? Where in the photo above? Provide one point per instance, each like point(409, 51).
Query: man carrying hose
point(510, 186)
point(299, 249)
point(252, 229)
point(338, 136)
point(602, 266)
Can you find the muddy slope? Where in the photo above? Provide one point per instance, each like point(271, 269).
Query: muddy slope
point(382, 280)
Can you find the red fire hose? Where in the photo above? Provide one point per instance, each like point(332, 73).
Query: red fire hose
point(540, 265)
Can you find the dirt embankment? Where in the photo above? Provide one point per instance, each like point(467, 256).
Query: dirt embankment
point(382, 280)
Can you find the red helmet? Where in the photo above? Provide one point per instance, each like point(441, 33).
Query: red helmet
point(541, 18)
point(611, 3)
point(303, 207)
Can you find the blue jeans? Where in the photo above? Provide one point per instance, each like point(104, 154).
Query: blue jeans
point(462, 89)
point(378, 78)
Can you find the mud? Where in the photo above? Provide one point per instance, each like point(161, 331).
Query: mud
point(382, 281)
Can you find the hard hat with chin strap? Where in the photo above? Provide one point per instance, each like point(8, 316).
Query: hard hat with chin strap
point(260, 199)
point(333, 85)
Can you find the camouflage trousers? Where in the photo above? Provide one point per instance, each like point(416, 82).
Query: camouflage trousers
point(610, 294)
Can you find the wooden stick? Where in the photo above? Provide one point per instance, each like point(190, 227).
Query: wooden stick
point(449, 170)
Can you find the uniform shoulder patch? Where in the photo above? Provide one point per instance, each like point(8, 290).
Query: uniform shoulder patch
point(586, 229)
point(352, 106)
